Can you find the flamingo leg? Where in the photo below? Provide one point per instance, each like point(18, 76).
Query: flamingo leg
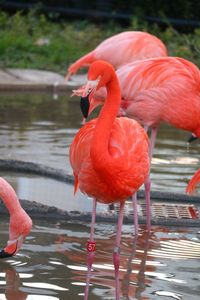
point(116, 251)
point(147, 187)
point(134, 199)
point(135, 213)
point(152, 142)
point(146, 128)
point(147, 184)
point(90, 249)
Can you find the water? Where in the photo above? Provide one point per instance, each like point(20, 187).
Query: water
point(52, 262)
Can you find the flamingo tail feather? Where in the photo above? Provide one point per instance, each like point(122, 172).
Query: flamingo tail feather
point(193, 183)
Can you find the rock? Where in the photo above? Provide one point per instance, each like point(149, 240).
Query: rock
point(36, 76)
point(27, 79)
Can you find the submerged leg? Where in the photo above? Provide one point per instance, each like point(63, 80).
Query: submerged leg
point(141, 278)
point(135, 213)
point(127, 276)
point(91, 249)
point(116, 251)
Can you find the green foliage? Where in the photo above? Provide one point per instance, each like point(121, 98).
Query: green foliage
point(33, 41)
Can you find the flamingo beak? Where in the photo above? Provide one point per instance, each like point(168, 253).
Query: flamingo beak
point(12, 247)
point(85, 105)
point(192, 138)
point(8, 251)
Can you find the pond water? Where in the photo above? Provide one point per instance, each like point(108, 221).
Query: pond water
point(52, 263)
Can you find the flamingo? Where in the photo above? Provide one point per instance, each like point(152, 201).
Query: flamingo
point(121, 49)
point(193, 182)
point(109, 156)
point(20, 223)
point(155, 90)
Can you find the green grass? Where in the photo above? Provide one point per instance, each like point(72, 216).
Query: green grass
point(67, 41)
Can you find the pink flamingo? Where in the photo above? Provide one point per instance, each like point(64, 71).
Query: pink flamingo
point(121, 49)
point(20, 223)
point(155, 90)
point(109, 156)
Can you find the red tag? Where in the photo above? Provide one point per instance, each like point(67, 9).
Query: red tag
point(91, 246)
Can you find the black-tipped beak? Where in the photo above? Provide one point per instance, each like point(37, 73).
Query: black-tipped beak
point(192, 138)
point(4, 254)
point(85, 105)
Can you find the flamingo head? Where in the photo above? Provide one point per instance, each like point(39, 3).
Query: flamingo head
point(19, 228)
point(94, 92)
point(91, 101)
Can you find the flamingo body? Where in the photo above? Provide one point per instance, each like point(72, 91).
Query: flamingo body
point(121, 49)
point(128, 146)
point(109, 157)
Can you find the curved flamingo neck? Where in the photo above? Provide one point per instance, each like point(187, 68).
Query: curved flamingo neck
point(9, 197)
point(99, 147)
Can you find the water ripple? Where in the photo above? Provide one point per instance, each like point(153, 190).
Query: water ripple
point(177, 249)
point(44, 285)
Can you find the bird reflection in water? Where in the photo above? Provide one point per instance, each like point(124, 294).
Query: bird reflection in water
point(134, 253)
point(136, 288)
point(13, 284)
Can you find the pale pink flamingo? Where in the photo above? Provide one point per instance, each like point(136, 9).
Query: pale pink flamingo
point(121, 49)
point(155, 90)
point(109, 156)
point(20, 223)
